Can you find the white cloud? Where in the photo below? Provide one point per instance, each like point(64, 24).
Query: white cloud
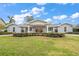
point(36, 10)
point(75, 15)
point(41, 3)
point(19, 18)
point(48, 20)
point(60, 17)
point(22, 11)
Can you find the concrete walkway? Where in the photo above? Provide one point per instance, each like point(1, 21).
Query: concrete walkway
point(7, 35)
point(72, 34)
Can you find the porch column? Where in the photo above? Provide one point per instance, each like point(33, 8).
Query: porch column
point(28, 29)
point(47, 28)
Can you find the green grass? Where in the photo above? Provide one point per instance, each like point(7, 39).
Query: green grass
point(39, 46)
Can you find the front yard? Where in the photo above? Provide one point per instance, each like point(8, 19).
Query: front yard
point(39, 46)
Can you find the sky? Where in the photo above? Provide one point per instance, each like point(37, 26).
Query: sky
point(55, 13)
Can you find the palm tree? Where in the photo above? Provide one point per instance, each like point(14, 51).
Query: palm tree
point(11, 18)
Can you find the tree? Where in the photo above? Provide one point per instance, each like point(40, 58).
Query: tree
point(11, 18)
point(2, 23)
point(28, 18)
point(1, 26)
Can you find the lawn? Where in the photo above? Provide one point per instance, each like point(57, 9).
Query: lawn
point(39, 46)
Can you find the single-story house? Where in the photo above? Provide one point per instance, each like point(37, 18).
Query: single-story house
point(39, 26)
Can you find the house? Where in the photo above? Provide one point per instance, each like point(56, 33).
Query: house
point(76, 28)
point(39, 26)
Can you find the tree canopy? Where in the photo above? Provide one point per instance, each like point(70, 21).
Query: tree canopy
point(28, 18)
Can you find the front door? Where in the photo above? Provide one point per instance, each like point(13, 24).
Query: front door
point(39, 29)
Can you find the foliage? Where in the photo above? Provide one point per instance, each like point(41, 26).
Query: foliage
point(5, 31)
point(28, 18)
point(75, 30)
point(1, 26)
point(11, 18)
point(19, 34)
point(38, 34)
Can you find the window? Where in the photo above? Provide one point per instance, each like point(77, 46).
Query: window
point(13, 29)
point(56, 30)
point(30, 28)
point(50, 29)
point(65, 29)
point(22, 30)
point(26, 29)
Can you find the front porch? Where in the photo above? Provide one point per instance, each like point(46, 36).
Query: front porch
point(36, 29)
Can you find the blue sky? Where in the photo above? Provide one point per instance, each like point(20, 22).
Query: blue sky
point(51, 12)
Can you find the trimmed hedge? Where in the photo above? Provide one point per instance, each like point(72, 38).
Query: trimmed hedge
point(56, 35)
point(20, 34)
point(4, 33)
point(38, 34)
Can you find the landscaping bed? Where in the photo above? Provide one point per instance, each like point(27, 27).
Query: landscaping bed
point(38, 34)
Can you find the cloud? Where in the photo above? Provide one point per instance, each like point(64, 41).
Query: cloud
point(20, 18)
point(36, 10)
point(75, 15)
point(22, 11)
point(41, 3)
point(60, 17)
point(48, 20)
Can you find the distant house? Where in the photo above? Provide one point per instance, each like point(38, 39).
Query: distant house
point(2, 23)
point(39, 26)
point(76, 28)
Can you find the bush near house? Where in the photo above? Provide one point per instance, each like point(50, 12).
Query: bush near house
point(39, 34)
point(20, 34)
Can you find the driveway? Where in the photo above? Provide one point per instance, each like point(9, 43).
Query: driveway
point(7, 35)
point(72, 34)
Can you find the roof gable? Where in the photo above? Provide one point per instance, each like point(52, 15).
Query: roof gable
point(66, 24)
point(37, 22)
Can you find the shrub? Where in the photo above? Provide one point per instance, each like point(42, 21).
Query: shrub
point(55, 35)
point(20, 34)
point(38, 34)
point(5, 30)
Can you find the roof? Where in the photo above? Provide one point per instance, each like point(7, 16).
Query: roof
point(10, 25)
point(29, 23)
point(57, 25)
point(66, 24)
point(38, 20)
